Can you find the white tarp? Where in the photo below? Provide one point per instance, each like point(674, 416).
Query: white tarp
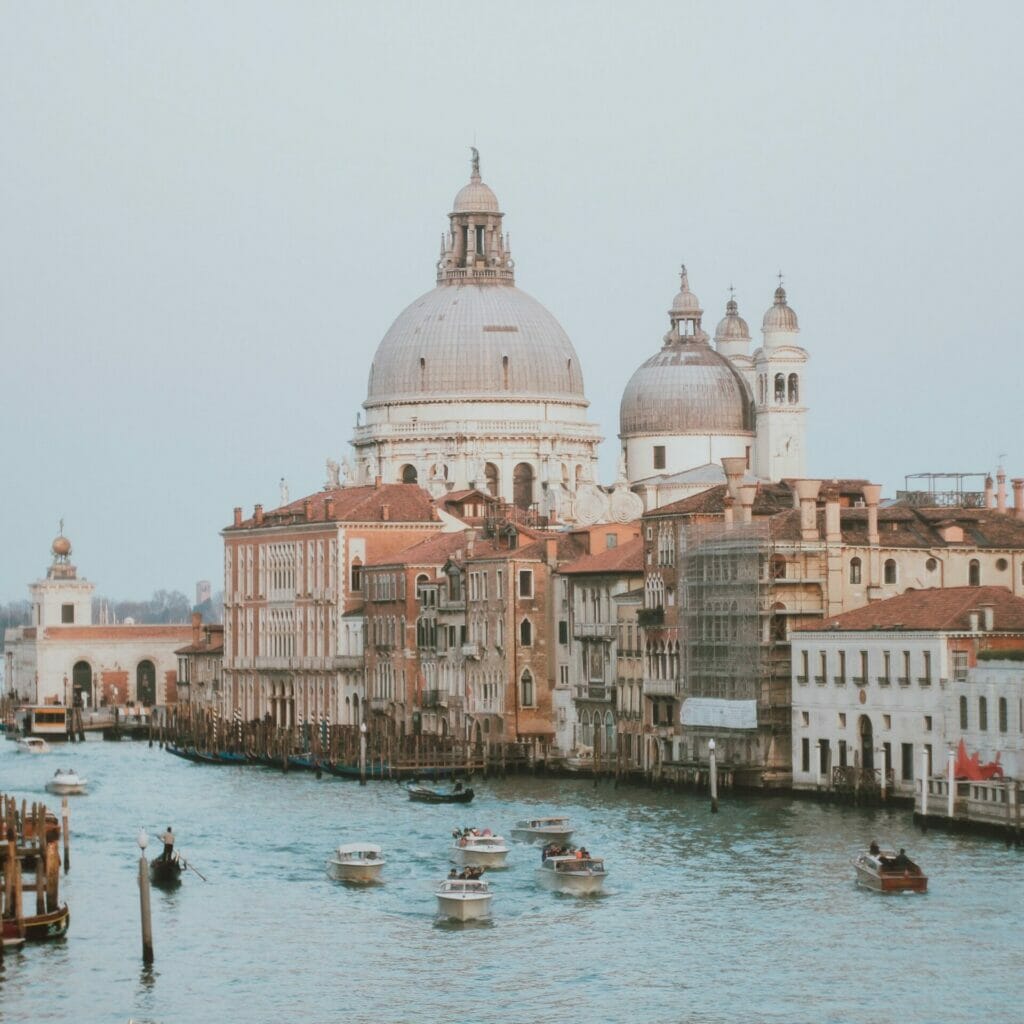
point(720, 714)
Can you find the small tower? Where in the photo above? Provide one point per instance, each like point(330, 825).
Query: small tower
point(781, 415)
point(62, 599)
point(732, 340)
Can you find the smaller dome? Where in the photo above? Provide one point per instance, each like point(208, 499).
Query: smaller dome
point(476, 197)
point(61, 547)
point(780, 317)
point(685, 302)
point(732, 327)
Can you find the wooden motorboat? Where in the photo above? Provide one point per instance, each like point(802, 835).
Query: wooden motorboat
point(464, 899)
point(37, 927)
point(572, 874)
point(33, 745)
point(455, 795)
point(889, 871)
point(473, 848)
point(166, 872)
point(357, 862)
point(66, 781)
point(543, 830)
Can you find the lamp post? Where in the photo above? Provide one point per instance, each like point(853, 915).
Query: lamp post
point(713, 774)
point(147, 924)
point(362, 753)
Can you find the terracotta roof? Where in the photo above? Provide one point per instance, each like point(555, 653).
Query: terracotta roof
point(626, 558)
point(182, 631)
point(405, 503)
point(434, 550)
point(946, 608)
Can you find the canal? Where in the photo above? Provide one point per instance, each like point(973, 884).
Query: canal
point(748, 915)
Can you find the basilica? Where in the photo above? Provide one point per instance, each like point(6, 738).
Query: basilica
point(477, 386)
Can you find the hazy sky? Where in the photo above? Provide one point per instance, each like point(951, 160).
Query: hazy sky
point(210, 213)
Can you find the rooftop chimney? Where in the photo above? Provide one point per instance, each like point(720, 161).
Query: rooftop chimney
point(747, 493)
point(257, 515)
point(197, 621)
point(377, 482)
point(807, 490)
point(307, 508)
point(385, 512)
point(833, 531)
point(328, 508)
point(727, 510)
point(238, 511)
point(872, 492)
point(989, 496)
point(735, 466)
point(1018, 497)
point(988, 617)
point(1001, 491)
point(972, 617)
point(551, 551)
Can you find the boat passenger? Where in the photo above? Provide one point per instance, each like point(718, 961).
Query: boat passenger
point(458, 787)
point(453, 873)
point(168, 840)
point(873, 849)
point(901, 860)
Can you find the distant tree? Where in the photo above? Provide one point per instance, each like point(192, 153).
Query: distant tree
point(14, 613)
point(165, 606)
point(212, 609)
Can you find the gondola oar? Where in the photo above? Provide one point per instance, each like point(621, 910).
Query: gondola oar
point(189, 866)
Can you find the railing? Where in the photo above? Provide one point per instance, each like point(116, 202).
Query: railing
point(859, 681)
point(471, 650)
point(660, 687)
point(348, 661)
point(883, 681)
point(592, 630)
point(594, 691)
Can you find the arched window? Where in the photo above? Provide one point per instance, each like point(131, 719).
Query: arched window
point(889, 570)
point(491, 476)
point(963, 713)
point(609, 733)
point(1003, 717)
point(504, 372)
point(522, 485)
point(81, 684)
point(409, 474)
point(982, 714)
point(780, 387)
point(778, 567)
point(526, 689)
point(356, 575)
point(794, 389)
point(525, 633)
point(974, 573)
point(855, 567)
point(586, 737)
point(423, 373)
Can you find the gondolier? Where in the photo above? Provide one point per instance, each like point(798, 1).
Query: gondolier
point(167, 838)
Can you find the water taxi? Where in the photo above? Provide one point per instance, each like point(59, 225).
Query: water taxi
point(571, 874)
point(33, 745)
point(543, 830)
point(356, 862)
point(464, 899)
point(473, 848)
point(66, 781)
point(889, 871)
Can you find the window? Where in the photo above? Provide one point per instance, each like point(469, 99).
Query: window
point(841, 675)
point(926, 679)
point(1002, 564)
point(780, 387)
point(525, 633)
point(563, 631)
point(1003, 717)
point(356, 575)
point(611, 541)
point(886, 721)
point(885, 678)
point(805, 718)
point(959, 666)
point(855, 570)
point(963, 713)
point(982, 714)
point(907, 762)
point(526, 689)
point(863, 668)
point(659, 456)
point(794, 389)
point(67, 613)
point(842, 719)
point(905, 678)
point(804, 666)
point(928, 759)
point(823, 657)
point(805, 754)
point(890, 570)
point(927, 723)
point(842, 753)
point(974, 573)
point(526, 583)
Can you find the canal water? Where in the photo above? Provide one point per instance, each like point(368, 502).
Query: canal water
point(748, 915)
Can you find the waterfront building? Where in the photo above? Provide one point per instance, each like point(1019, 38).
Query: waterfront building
point(596, 631)
point(691, 405)
point(61, 657)
point(892, 685)
point(201, 665)
point(476, 384)
point(293, 597)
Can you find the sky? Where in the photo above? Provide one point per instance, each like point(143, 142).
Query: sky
point(211, 212)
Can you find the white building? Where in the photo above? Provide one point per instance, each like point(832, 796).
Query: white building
point(884, 682)
point(987, 705)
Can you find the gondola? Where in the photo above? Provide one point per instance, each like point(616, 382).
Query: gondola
point(166, 872)
point(455, 795)
point(37, 927)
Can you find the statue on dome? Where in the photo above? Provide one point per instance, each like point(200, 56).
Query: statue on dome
point(348, 473)
point(476, 160)
point(332, 475)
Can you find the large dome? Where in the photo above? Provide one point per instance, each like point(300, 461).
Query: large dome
point(475, 341)
point(685, 388)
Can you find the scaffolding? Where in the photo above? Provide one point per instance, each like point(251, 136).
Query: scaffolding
point(943, 490)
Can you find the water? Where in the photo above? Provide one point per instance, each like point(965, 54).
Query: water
point(748, 915)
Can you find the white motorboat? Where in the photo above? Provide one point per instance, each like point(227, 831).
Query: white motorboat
point(572, 874)
point(581, 760)
point(473, 848)
point(66, 781)
point(464, 899)
point(356, 862)
point(543, 830)
point(33, 745)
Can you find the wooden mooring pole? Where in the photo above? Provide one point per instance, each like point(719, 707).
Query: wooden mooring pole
point(713, 776)
point(65, 833)
point(147, 922)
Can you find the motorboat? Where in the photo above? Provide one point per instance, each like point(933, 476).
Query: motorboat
point(475, 848)
point(36, 927)
point(573, 874)
point(66, 781)
point(455, 795)
point(543, 830)
point(356, 862)
point(33, 745)
point(580, 761)
point(889, 871)
point(464, 899)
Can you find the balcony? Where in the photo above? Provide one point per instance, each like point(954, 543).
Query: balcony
point(859, 681)
point(839, 680)
point(471, 651)
point(660, 687)
point(594, 630)
point(883, 681)
point(924, 681)
point(903, 681)
point(595, 691)
point(347, 661)
point(433, 699)
point(648, 617)
point(820, 680)
point(802, 680)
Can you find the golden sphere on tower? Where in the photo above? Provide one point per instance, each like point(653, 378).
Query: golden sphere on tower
point(61, 547)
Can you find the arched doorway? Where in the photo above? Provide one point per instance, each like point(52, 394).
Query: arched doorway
point(145, 683)
point(867, 744)
point(81, 684)
point(491, 478)
point(409, 475)
point(522, 485)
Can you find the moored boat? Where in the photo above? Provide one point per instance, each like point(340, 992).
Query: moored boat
point(33, 745)
point(889, 871)
point(543, 830)
point(357, 862)
point(455, 795)
point(574, 874)
point(37, 927)
point(473, 848)
point(464, 899)
point(66, 781)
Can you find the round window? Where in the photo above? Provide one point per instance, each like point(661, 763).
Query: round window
point(931, 565)
point(1001, 564)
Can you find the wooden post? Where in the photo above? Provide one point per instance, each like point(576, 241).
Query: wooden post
point(884, 772)
point(713, 776)
point(147, 922)
point(66, 833)
point(39, 825)
point(924, 790)
point(362, 754)
point(950, 782)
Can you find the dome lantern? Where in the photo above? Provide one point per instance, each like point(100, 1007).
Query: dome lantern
point(732, 335)
point(780, 317)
